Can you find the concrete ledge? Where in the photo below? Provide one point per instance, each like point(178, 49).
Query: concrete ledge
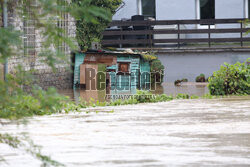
point(195, 49)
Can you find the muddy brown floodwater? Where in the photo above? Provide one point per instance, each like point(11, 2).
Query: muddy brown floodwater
point(176, 133)
point(190, 88)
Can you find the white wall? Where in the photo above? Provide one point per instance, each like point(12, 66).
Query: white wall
point(184, 9)
point(190, 65)
point(127, 11)
point(229, 9)
point(175, 9)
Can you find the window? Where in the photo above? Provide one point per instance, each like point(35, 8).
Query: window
point(148, 8)
point(249, 9)
point(124, 67)
point(207, 9)
point(63, 25)
point(29, 31)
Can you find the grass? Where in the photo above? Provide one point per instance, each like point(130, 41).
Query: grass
point(139, 98)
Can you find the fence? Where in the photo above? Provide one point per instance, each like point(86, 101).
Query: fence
point(144, 32)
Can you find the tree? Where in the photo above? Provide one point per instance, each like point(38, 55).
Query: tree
point(87, 32)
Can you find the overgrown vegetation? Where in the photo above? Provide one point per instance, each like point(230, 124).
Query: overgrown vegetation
point(140, 97)
point(88, 32)
point(178, 82)
point(24, 143)
point(200, 78)
point(231, 79)
point(149, 57)
point(157, 71)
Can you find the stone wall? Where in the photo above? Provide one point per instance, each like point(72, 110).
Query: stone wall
point(45, 77)
point(62, 78)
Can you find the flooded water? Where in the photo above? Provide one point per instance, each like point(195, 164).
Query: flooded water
point(190, 88)
point(176, 133)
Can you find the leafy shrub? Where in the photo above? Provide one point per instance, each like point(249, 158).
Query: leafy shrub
point(178, 82)
point(163, 98)
point(149, 57)
point(157, 70)
point(194, 97)
point(182, 96)
point(25, 105)
point(89, 31)
point(200, 78)
point(230, 79)
point(184, 80)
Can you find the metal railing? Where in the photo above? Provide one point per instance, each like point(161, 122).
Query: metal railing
point(135, 33)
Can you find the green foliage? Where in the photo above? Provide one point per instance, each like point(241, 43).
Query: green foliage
point(194, 97)
point(14, 142)
point(200, 78)
point(231, 80)
point(178, 82)
point(163, 98)
point(26, 144)
point(9, 37)
point(246, 22)
point(156, 66)
point(182, 96)
point(72, 107)
point(184, 80)
point(22, 105)
point(87, 32)
point(149, 57)
point(208, 96)
point(157, 71)
point(16, 103)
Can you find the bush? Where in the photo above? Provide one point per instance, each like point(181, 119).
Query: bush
point(230, 79)
point(157, 71)
point(178, 82)
point(87, 32)
point(200, 78)
point(184, 80)
point(182, 96)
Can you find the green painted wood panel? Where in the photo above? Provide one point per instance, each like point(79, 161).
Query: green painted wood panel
point(130, 82)
point(145, 75)
point(79, 59)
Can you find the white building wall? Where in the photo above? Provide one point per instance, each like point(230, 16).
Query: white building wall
point(127, 11)
point(175, 9)
point(225, 9)
point(189, 9)
point(229, 9)
point(184, 9)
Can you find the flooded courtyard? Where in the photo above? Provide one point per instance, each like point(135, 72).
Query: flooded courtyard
point(177, 133)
